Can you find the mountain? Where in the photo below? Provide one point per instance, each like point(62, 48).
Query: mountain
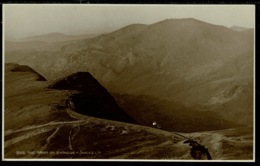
point(206, 68)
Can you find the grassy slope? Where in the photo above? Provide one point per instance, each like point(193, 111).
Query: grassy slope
point(228, 144)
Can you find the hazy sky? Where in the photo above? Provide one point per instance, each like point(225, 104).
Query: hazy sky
point(28, 20)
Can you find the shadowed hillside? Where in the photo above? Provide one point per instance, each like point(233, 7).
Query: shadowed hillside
point(93, 99)
point(171, 116)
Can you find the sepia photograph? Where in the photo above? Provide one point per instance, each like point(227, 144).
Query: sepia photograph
point(114, 82)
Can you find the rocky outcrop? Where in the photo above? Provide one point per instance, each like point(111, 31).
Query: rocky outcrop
point(23, 68)
point(93, 99)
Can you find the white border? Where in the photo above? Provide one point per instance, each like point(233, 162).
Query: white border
point(125, 160)
point(3, 80)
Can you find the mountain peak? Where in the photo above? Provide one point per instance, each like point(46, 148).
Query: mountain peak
point(180, 20)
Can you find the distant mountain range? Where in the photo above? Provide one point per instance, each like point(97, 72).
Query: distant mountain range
point(56, 37)
point(202, 66)
point(239, 28)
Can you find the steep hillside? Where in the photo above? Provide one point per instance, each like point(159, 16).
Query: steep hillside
point(171, 116)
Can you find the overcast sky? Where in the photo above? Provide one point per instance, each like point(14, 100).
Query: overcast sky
point(28, 20)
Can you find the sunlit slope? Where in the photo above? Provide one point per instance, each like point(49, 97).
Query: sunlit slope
point(228, 144)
